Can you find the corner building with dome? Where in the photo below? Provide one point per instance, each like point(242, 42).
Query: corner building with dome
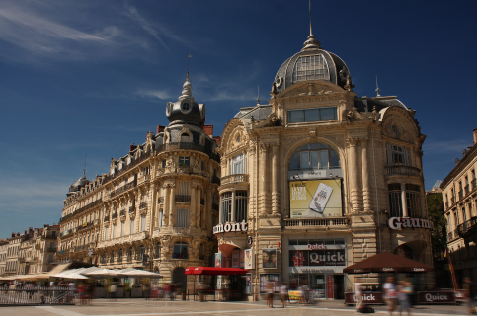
point(155, 208)
point(323, 179)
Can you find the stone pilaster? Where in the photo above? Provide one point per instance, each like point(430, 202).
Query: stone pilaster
point(353, 173)
point(275, 179)
point(365, 175)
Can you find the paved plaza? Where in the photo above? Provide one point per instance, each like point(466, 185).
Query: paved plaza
point(139, 307)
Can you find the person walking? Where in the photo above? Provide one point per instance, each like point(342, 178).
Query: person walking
point(403, 297)
point(390, 295)
point(284, 294)
point(358, 292)
point(270, 294)
point(468, 294)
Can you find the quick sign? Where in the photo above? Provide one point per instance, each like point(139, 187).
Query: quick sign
point(436, 297)
point(313, 258)
point(405, 222)
point(231, 227)
point(367, 298)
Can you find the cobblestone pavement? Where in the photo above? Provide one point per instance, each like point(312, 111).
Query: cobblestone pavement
point(141, 307)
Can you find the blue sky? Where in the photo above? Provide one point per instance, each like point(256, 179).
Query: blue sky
point(91, 77)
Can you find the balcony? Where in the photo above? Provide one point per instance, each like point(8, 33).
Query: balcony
point(189, 146)
point(142, 205)
point(402, 171)
point(467, 228)
point(123, 189)
point(234, 178)
point(318, 222)
point(466, 190)
point(81, 209)
point(85, 225)
point(215, 180)
point(183, 198)
point(124, 239)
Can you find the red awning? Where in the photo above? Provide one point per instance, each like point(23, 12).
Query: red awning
point(214, 271)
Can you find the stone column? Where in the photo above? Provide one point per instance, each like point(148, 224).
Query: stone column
point(404, 200)
point(275, 180)
point(220, 210)
point(353, 173)
point(263, 187)
point(198, 214)
point(193, 197)
point(166, 194)
point(172, 204)
point(365, 175)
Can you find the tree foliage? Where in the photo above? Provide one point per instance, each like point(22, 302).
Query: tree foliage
point(435, 207)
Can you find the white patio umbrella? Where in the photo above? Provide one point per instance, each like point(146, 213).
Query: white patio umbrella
point(134, 273)
point(101, 273)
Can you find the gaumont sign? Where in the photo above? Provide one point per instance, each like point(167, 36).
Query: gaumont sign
point(406, 222)
point(436, 297)
point(231, 227)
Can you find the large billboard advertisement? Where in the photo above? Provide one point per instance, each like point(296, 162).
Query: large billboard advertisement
point(317, 198)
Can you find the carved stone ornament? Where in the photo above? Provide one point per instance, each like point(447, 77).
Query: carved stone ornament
point(352, 141)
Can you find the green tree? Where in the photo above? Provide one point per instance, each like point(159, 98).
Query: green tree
point(435, 207)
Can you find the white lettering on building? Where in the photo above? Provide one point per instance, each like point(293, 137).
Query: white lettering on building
point(400, 223)
point(231, 227)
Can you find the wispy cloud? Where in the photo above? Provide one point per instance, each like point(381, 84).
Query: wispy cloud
point(145, 26)
point(158, 94)
point(447, 146)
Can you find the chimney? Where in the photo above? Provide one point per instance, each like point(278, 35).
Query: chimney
point(217, 140)
point(475, 135)
point(46, 225)
point(132, 147)
point(13, 234)
point(209, 129)
point(160, 129)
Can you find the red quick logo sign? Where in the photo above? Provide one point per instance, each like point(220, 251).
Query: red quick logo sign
point(401, 222)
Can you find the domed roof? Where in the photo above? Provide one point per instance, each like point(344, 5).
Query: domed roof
point(185, 110)
point(78, 184)
point(311, 63)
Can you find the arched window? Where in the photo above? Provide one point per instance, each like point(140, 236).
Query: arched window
point(120, 256)
point(129, 256)
point(181, 251)
point(111, 260)
point(314, 156)
point(142, 251)
point(157, 251)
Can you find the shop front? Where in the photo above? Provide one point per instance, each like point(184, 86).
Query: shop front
point(318, 264)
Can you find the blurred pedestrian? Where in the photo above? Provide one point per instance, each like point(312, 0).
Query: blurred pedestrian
point(403, 297)
point(468, 294)
point(284, 294)
point(358, 293)
point(112, 291)
point(390, 295)
point(270, 294)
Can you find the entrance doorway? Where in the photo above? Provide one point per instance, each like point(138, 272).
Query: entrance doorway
point(179, 277)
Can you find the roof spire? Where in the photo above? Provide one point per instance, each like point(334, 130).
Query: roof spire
point(258, 97)
point(84, 169)
point(187, 91)
point(311, 41)
point(377, 88)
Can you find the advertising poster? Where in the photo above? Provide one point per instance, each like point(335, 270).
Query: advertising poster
point(248, 284)
point(218, 260)
point(235, 258)
point(317, 198)
point(269, 258)
point(249, 259)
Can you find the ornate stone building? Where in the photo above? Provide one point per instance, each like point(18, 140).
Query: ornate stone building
point(3, 255)
point(321, 179)
point(156, 207)
point(459, 192)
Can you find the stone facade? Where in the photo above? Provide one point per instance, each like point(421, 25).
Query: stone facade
point(3, 255)
point(156, 207)
point(325, 176)
point(459, 192)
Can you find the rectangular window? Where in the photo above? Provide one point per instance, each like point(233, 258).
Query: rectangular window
point(226, 203)
point(313, 115)
point(184, 161)
point(182, 217)
point(395, 203)
point(122, 229)
point(238, 164)
point(114, 230)
point(183, 188)
point(143, 223)
point(131, 227)
point(240, 206)
point(398, 155)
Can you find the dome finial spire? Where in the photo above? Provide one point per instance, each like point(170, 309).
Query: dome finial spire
point(311, 41)
point(187, 91)
point(84, 169)
point(258, 97)
point(377, 88)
